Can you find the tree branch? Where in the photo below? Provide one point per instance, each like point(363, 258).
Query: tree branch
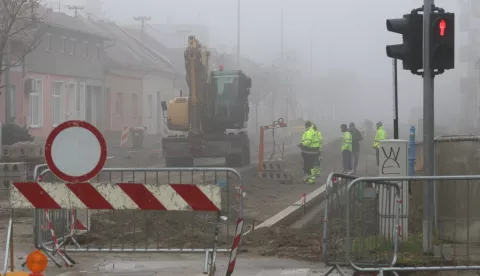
point(18, 23)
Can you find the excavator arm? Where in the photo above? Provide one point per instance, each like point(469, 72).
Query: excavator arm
point(197, 71)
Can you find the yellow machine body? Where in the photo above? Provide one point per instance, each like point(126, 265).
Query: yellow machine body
point(178, 114)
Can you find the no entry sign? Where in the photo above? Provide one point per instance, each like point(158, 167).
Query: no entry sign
point(75, 151)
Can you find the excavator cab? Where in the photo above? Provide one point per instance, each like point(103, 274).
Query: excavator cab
point(229, 92)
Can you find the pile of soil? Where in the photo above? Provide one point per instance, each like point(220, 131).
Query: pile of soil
point(143, 229)
point(284, 242)
point(264, 198)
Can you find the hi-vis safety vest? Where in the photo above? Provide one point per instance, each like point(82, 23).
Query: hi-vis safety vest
point(347, 141)
point(379, 136)
point(308, 139)
point(318, 140)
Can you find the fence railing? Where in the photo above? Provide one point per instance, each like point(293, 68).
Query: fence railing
point(124, 228)
point(374, 224)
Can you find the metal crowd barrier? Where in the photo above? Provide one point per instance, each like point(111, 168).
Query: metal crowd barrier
point(369, 222)
point(144, 231)
point(374, 224)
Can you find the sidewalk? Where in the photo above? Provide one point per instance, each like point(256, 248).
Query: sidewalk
point(185, 265)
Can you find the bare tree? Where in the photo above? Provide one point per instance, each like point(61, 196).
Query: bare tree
point(19, 32)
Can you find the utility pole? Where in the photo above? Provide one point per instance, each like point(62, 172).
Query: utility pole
point(75, 8)
point(238, 34)
point(282, 65)
point(142, 19)
point(281, 36)
point(428, 132)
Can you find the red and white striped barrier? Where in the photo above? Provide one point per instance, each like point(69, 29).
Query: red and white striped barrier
point(235, 246)
point(80, 224)
point(119, 196)
point(124, 137)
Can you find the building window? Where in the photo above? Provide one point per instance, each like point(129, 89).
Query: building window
point(36, 103)
point(85, 48)
point(57, 111)
point(134, 105)
point(150, 106)
point(64, 45)
point(48, 42)
point(72, 46)
point(119, 105)
point(97, 51)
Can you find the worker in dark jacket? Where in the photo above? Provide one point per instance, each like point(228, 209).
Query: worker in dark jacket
point(356, 138)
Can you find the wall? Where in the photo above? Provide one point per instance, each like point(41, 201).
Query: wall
point(120, 82)
point(54, 62)
point(454, 156)
point(156, 85)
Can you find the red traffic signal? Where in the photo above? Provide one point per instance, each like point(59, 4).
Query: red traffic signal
point(442, 41)
point(442, 26)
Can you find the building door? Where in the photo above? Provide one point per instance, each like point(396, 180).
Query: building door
point(108, 109)
point(94, 105)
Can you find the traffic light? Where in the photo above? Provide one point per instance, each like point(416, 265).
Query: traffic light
point(410, 52)
point(442, 40)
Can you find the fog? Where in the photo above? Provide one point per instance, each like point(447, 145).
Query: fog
point(348, 39)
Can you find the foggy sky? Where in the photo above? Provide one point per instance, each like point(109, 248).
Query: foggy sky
point(347, 36)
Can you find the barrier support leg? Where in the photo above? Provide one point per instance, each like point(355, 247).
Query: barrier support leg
point(334, 268)
point(205, 264)
point(261, 150)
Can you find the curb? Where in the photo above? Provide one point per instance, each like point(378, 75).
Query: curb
point(290, 214)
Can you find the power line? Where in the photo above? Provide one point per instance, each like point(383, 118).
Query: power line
point(142, 19)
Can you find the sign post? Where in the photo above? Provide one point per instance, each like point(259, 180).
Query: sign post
point(75, 151)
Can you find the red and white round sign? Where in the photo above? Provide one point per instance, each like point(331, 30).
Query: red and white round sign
point(75, 151)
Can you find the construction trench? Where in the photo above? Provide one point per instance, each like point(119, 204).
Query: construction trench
point(282, 220)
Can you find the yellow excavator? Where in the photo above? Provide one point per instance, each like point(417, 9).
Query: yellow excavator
point(212, 118)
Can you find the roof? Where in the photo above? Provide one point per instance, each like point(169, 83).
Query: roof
point(173, 56)
point(127, 51)
point(62, 20)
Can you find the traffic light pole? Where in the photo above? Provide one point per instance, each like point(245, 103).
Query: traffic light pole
point(428, 133)
point(395, 98)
